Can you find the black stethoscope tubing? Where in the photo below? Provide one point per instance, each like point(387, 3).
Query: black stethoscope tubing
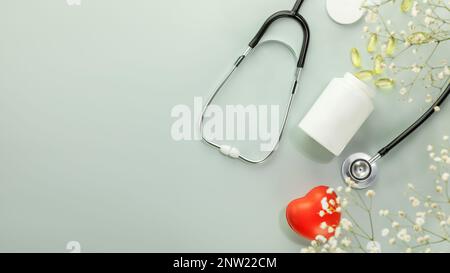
point(433, 109)
point(289, 14)
point(292, 14)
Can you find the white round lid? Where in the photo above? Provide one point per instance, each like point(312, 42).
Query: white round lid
point(345, 11)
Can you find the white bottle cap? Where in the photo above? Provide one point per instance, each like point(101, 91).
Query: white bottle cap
point(345, 11)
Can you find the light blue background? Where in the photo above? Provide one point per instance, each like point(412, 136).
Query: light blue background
point(86, 154)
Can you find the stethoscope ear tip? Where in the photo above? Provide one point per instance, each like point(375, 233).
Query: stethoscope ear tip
point(359, 171)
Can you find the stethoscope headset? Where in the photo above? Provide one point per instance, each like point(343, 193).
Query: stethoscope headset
point(254, 43)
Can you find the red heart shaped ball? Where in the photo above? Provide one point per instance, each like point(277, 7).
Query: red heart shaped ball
point(318, 213)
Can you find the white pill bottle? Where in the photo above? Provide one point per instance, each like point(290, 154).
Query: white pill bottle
point(339, 113)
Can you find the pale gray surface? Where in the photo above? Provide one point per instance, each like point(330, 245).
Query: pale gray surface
point(86, 152)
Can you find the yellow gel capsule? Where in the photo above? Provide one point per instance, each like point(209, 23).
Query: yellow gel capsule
point(392, 44)
point(365, 75)
point(385, 83)
point(406, 5)
point(418, 38)
point(356, 58)
point(378, 64)
point(373, 40)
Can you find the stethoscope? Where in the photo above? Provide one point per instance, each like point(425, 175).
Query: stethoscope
point(361, 170)
point(292, 14)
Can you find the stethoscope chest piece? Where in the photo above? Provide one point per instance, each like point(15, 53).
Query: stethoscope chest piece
point(360, 169)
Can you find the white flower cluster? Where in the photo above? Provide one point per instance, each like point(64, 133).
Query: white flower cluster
point(342, 240)
point(428, 29)
point(409, 232)
point(408, 229)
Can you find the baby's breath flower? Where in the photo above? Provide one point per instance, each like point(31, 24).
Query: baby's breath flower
point(346, 242)
point(346, 224)
point(392, 241)
point(416, 69)
point(423, 239)
point(371, 17)
point(414, 201)
point(395, 224)
point(304, 250)
point(384, 212)
point(321, 213)
point(370, 193)
point(420, 221)
point(421, 214)
point(330, 229)
point(373, 247)
point(333, 243)
point(417, 228)
point(339, 250)
point(446, 72)
point(439, 189)
point(440, 215)
point(321, 239)
point(385, 232)
point(337, 232)
point(415, 10)
point(403, 235)
point(349, 181)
